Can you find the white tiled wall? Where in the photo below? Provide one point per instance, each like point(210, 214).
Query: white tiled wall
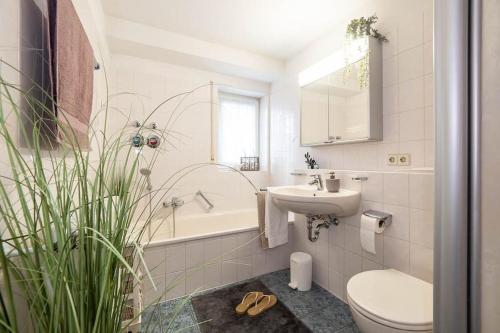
point(182, 268)
point(405, 245)
point(138, 86)
point(408, 86)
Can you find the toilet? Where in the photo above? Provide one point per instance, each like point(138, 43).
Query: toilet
point(389, 301)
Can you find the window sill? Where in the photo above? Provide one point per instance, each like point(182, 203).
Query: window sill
point(222, 168)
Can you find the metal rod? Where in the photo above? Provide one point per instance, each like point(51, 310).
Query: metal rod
point(475, 166)
point(210, 205)
point(451, 178)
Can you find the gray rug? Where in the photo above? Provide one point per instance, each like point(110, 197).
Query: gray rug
point(215, 312)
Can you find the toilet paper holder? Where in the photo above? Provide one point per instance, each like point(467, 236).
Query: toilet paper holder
point(383, 219)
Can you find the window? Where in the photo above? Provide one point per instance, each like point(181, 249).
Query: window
point(238, 128)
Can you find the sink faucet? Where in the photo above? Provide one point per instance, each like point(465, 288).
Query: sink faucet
point(318, 181)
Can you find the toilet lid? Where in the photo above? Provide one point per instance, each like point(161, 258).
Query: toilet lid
point(392, 298)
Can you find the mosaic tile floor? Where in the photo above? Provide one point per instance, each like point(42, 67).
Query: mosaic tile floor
point(319, 310)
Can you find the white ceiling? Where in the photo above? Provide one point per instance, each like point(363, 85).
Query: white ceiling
point(274, 28)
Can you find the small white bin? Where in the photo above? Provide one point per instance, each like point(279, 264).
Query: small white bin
point(300, 271)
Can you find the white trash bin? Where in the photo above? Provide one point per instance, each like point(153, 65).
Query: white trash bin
point(300, 271)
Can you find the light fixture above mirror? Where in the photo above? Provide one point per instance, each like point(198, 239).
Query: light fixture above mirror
point(351, 54)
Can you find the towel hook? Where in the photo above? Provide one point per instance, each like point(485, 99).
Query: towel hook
point(97, 66)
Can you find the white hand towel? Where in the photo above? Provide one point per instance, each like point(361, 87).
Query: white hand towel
point(276, 222)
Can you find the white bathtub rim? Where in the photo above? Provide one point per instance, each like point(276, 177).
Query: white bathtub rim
point(213, 214)
point(169, 241)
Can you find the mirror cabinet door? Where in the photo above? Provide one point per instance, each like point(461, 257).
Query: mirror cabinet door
point(349, 105)
point(314, 112)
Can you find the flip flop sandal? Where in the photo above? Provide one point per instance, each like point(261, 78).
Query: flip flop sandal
point(266, 302)
point(248, 300)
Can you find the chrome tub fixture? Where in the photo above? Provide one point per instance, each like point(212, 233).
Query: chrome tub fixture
point(175, 202)
point(153, 141)
point(202, 195)
point(137, 141)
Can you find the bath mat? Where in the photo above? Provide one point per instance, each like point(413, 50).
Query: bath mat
point(217, 308)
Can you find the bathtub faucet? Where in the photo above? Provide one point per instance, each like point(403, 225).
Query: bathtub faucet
point(174, 203)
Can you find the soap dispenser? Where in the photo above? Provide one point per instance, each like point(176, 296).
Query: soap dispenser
point(332, 184)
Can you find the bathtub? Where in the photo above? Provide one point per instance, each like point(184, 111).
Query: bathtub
point(208, 250)
point(201, 226)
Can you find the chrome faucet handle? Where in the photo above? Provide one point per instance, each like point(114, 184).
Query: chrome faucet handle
point(318, 181)
point(315, 179)
point(174, 202)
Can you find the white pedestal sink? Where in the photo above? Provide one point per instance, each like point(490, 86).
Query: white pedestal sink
point(307, 200)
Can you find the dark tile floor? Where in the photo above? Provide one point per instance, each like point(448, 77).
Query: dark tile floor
point(319, 310)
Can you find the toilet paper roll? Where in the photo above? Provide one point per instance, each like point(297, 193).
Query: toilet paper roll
point(369, 227)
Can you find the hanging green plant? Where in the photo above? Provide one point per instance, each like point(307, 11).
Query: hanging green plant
point(361, 28)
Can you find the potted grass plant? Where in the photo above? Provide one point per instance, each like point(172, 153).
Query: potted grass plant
point(66, 236)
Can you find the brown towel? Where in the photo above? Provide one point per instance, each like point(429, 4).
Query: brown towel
point(73, 76)
point(261, 215)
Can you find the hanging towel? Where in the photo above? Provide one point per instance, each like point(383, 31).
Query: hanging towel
point(261, 216)
point(73, 72)
point(276, 221)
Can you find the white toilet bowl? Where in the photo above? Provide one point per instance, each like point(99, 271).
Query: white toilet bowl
point(389, 301)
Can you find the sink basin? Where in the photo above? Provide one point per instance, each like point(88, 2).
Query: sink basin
point(307, 200)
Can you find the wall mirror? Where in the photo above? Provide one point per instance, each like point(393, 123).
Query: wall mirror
point(341, 107)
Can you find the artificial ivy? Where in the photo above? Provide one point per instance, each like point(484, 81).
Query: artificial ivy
point(361, 28)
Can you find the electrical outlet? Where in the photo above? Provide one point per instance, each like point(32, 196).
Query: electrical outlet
point(404, 159)
point(392, 159)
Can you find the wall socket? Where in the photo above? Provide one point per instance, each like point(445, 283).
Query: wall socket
point(404, 159)
point(398, 159)
point(392, 159)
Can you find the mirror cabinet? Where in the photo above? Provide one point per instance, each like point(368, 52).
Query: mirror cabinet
point(345, 106)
